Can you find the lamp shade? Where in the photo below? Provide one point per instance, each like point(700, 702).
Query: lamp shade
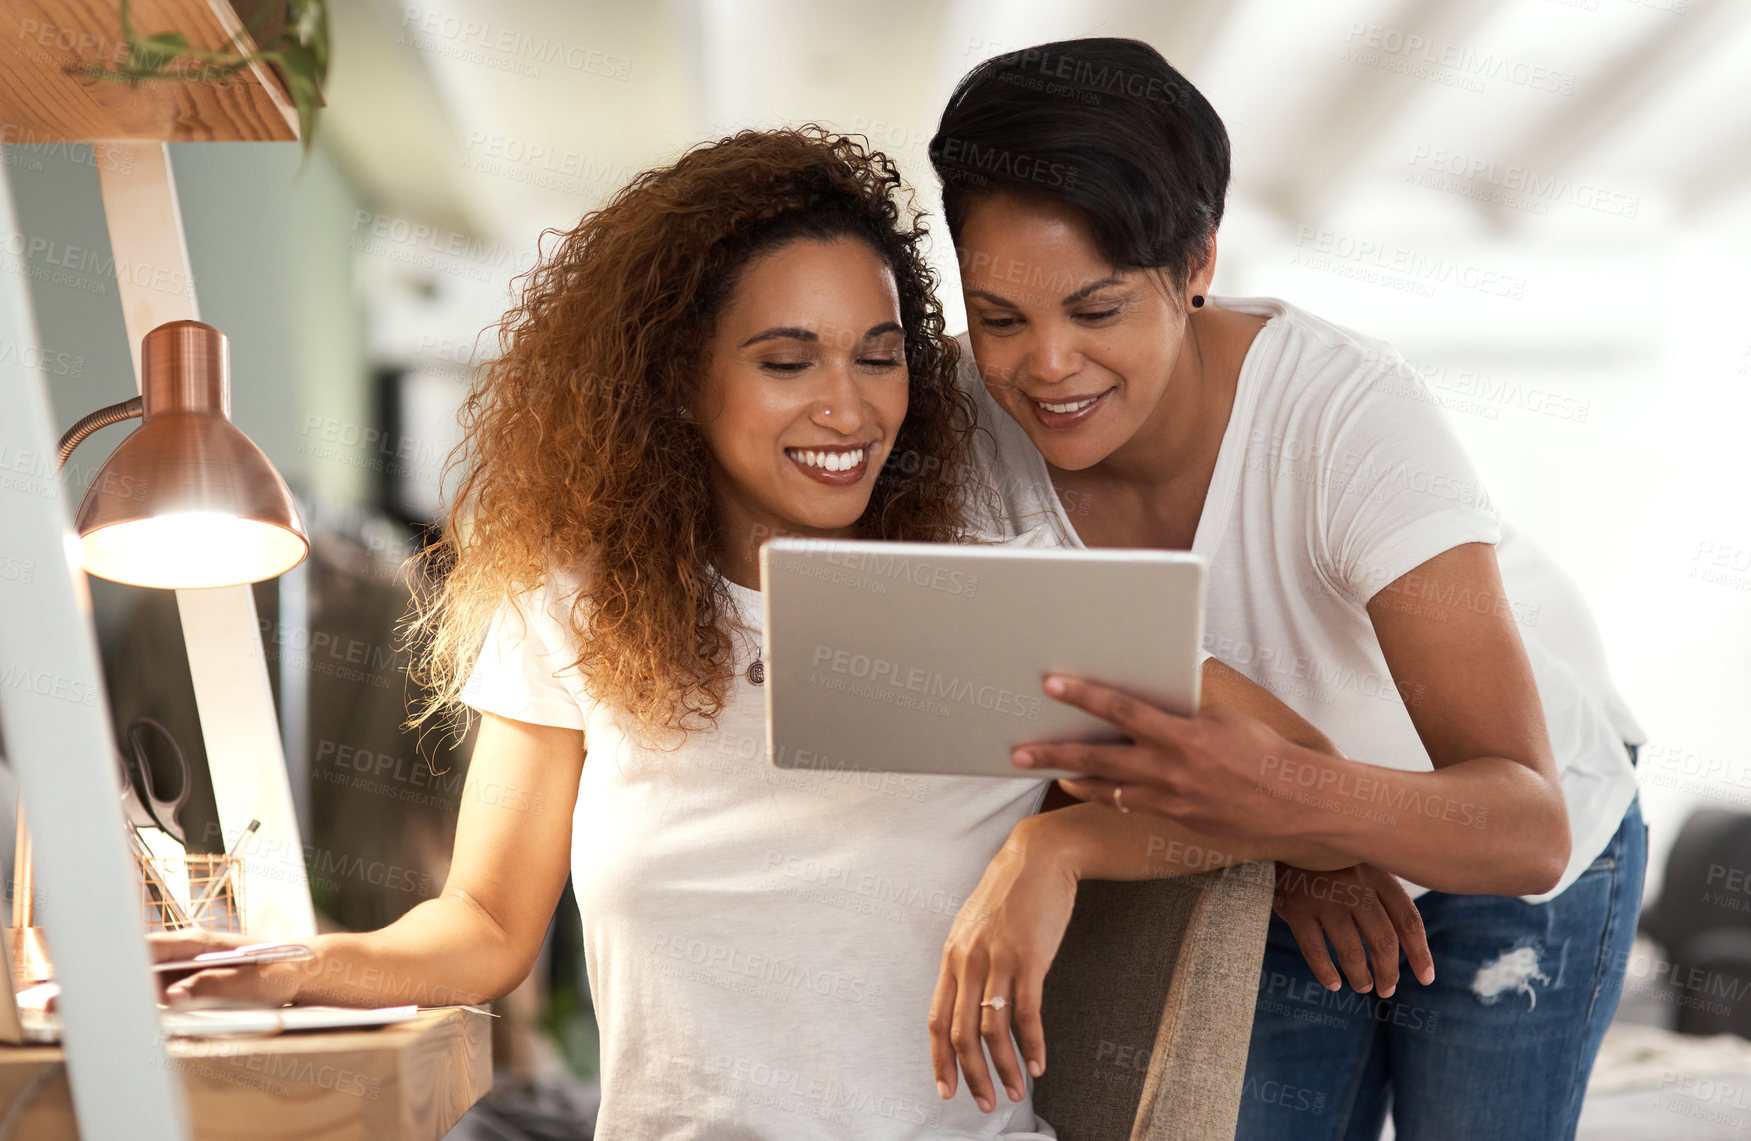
point(188, 500)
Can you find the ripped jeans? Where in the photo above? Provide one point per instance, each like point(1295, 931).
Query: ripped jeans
point(1499, 1047)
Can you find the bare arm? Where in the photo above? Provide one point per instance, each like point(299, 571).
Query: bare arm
point(1096, 841)
point(1489, 819)
point(1449, 638)
point(479, 937)
point(1105, 844)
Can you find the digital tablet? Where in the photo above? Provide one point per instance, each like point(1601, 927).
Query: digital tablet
point(928, 658)
point(240, 957)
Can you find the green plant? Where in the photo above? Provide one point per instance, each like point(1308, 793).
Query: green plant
point(291, 34)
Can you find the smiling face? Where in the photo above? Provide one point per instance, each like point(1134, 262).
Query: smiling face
point(1080, 354)
point(803, 391)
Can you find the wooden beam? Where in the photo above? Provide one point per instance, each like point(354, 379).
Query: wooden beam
point(44, 97)
point(1340, 131)
point(1722, 176)
point(1628, 85)
point(1184, 31)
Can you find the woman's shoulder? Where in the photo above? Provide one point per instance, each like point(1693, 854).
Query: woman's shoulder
point(1314, 348)
point(1317, 375)
point(553, 599)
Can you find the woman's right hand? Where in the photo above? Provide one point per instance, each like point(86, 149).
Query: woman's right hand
point(1001, 945)
point(270, 984)
point(1353, 907)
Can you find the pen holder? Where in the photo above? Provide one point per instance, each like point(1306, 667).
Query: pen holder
point(222, 876)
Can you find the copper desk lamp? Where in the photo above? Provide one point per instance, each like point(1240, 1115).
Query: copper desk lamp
point(187, 501)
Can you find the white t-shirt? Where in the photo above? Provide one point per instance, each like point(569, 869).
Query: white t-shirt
point(1338, 474)
point(762, 944)
point(1553, 611)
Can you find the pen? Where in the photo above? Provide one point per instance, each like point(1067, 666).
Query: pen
point(198, 910)
point(155, 884)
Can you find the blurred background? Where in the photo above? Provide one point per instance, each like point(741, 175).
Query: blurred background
point(1546, 204)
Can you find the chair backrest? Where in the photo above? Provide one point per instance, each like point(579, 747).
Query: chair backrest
point(1148, 1007)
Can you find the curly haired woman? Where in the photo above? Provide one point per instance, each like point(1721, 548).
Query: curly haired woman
point(740, 345)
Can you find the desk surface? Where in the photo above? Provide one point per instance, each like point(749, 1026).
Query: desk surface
point(408, 1082)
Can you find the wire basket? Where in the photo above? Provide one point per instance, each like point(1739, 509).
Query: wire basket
point(186, 881)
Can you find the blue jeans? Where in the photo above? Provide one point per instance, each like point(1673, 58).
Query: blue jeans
point(1498, 1047)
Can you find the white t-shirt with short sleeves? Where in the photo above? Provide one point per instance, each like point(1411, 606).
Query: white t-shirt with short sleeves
point(762, 943)
point(1337, 475)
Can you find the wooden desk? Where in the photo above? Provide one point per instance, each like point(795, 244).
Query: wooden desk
point(409, 1082)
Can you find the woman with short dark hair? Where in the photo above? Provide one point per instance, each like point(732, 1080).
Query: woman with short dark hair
point(1353, 572)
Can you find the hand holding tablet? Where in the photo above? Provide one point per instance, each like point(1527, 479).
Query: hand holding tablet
point(923, 657)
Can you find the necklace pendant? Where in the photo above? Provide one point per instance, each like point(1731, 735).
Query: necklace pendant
point(757, 672)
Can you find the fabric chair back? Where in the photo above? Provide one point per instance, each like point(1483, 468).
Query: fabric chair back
point(1148, 1007)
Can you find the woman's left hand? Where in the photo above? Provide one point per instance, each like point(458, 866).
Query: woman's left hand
point(1002, 942)
point(1209, 772)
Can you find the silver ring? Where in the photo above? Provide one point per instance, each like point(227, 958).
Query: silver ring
point(1119, 791)
point(997, 1003)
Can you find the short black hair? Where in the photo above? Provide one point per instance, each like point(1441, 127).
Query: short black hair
point(1103, 124)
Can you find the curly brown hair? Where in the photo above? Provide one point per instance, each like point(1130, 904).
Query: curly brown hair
point(577, 452)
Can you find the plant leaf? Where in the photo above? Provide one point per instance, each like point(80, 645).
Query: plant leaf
point(154, 53)
point(299, 64)
point(301, 51)
point(308, 20)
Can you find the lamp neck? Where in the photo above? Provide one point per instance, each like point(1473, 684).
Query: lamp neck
point(185, 367)
point(102, 418)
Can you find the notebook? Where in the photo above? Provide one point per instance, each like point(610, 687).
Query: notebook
point(23, 1018)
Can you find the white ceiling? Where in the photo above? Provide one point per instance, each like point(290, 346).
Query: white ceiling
point(1651, 97)
point(1551, 142)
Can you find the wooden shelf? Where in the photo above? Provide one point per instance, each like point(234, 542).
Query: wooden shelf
point(44, 99)
point(409, 1082)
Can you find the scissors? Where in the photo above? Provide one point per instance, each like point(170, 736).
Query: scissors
point(145, 785)
point(154, 781)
